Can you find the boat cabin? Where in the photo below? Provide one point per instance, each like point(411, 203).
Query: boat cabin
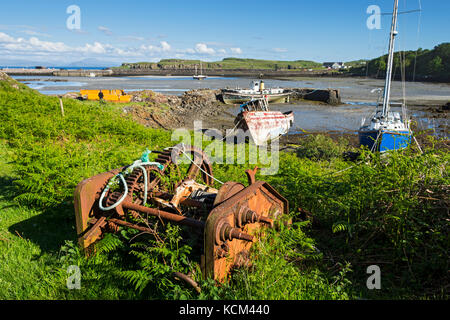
point(257, 86)
point(255, 105)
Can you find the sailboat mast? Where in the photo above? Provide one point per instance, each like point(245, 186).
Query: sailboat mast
point(387, 87)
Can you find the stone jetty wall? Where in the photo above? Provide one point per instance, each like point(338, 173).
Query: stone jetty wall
point(56, 72)
point(329, 96)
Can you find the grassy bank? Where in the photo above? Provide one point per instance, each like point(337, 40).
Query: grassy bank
point(389, 211)
point(226, 63)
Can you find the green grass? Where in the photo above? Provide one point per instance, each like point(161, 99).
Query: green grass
point(27, 270)
point(391, 211)
point(31, 259)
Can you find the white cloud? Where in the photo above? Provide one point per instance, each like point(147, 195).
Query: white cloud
point(37, 46)
point(105, 30)
point(236, 50)
point(6, 38)
point(48, 45)
point(127, 53)
point(19, 47)
point(187, 51)
point(97, 47)
point(202, 48)
point(218, 44)
point(31, 45)
point(279, 50)
point(131, 38)
point(35, 33)
point(164, 47)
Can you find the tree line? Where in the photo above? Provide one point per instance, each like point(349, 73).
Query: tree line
point(420, 65)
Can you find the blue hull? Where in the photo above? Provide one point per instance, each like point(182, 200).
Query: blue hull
point(388, 140)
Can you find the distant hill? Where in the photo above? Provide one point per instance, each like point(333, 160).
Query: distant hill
point(431, 65)
point(420, 65)
point(226, 63)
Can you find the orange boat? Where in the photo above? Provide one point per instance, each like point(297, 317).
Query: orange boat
point(114, 95)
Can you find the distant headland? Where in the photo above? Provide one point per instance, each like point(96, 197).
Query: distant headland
point(421, 65)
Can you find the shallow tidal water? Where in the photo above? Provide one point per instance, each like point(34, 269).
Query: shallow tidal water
point(357, 96)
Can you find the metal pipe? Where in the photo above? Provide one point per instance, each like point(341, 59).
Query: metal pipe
point(130, 225)
point(165, 215)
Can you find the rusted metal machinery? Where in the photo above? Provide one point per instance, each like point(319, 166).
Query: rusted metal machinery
point(229, 219)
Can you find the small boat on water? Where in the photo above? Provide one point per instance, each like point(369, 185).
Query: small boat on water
point(387, 130)
point(263, 124)
point(256, 91)
point(199, 76)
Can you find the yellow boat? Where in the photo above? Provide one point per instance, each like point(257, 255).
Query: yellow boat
point(114, 95)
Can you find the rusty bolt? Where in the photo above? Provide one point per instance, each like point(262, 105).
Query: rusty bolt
point(227, 232)
point(221, 253)
point(246, 216)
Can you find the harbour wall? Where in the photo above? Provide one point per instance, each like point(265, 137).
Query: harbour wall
point(56, 72)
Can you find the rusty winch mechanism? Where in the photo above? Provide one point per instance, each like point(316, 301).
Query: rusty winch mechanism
point(228, 220)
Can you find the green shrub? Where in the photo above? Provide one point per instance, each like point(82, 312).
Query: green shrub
point(320, 147)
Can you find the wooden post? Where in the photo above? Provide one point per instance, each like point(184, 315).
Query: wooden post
point(62, 107)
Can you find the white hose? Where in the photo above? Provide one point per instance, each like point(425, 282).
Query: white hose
point(106, 190)
point(137, 164)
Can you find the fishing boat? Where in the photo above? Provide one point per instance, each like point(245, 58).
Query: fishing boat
point(256, 91)
point(387, 130)
point(263, 124)
point(199, 76)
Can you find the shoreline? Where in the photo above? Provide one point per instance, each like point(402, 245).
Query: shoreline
point(282, 75)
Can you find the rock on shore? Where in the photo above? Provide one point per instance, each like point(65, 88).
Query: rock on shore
point(329, 96)
point(170, 111)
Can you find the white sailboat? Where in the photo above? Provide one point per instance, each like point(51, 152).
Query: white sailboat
point(387, 130)
point(199, 76)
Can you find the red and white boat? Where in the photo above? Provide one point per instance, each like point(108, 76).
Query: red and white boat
point(262, 124)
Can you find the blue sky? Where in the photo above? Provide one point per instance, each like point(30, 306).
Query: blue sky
point(132, 30)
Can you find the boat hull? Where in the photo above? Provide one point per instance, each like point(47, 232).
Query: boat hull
point(265, 125)
point(237, 98)
point(385, 140)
